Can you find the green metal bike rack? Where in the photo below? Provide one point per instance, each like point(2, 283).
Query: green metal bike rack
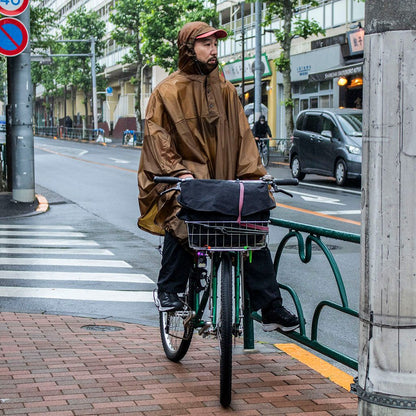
point(305, 254)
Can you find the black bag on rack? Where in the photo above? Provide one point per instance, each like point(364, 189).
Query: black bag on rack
point(225, 213)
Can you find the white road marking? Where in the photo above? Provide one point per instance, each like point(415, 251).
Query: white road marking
point(76, 294)
point(35, 227)
point(47, 242)
point(58, 251)
point(119, 160)
point(42, 233)
point(21, 261)
point(317, 198)
point(76, 277)
point(345, 212)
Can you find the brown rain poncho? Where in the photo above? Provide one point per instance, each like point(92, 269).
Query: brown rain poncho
point(194, 124)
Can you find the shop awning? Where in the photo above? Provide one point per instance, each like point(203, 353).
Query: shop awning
point(343, 71)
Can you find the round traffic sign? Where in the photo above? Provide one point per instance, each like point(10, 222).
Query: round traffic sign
point(13, 36)
point(13, 7)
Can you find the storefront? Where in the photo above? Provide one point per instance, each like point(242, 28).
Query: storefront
point(328, 76)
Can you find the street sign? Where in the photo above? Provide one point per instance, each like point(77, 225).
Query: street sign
point(13, 7)
point(13, 36)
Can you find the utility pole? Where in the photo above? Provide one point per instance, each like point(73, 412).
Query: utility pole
point(243, 34)
point(20, 137)
point(94, 86)
point(257, 63)
point(387, 364)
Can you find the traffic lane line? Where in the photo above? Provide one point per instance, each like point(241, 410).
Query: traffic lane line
point(336, 375)
point(318, 214)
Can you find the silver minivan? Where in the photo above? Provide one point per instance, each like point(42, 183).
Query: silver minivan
point(327, 142)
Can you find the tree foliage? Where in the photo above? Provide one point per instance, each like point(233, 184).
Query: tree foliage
point(160, 28)
point(81, 25)
point(285, 10)
point(149, 29)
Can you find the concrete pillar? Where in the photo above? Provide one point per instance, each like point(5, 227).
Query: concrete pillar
point(387, 355)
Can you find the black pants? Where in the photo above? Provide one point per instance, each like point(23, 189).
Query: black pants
point(259, 276)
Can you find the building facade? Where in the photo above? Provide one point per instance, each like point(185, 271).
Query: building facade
point(318, 65)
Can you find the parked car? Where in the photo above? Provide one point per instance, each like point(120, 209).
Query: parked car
point(327, 142)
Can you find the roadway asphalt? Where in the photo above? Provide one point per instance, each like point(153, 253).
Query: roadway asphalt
point(69, 365)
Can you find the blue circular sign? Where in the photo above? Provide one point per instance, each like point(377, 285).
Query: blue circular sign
point(13, 36)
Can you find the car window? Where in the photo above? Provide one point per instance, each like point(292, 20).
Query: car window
point(352, 124)
point(313, 123)
point(328, 124)
point(299, 122)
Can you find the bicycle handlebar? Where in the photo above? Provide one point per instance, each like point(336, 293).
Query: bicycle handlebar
point(166, 179)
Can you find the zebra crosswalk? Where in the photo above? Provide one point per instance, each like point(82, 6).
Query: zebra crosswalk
point(59, 262)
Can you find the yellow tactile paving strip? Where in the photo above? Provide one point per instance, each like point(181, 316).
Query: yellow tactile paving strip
point(336, 375)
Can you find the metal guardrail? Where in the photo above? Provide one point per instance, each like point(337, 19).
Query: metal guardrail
point(305, 254)
point(68, 132)
point(279, 146)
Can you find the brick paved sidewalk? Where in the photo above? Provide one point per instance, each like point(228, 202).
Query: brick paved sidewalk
point(54, 365)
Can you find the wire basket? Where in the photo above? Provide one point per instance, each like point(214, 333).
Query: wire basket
point(227, 235)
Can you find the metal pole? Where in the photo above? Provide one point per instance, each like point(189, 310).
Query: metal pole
point(257, 63)
point(20, 123)
point(387, 365)
point(94, 85)
point(242, 55)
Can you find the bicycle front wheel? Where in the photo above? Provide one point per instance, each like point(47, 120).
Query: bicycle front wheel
point(225, 329)
point(176, 328)
point(264, 154)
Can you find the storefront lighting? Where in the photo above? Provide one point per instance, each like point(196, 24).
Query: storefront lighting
point(356, 82)
point(342, 81)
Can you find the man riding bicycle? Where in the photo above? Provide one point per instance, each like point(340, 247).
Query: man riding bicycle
point(261, 129)
point(195, 127)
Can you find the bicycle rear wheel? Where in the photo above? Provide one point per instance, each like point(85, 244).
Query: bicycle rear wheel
point(225, 323)
point(176, 328)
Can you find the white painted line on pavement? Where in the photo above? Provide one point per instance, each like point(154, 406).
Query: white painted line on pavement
point(76, 294)
point(42, 233)
point(30, 261)
point(345, 212)
point(35, 227)
point(58, 251)
point(76, 277)
point(47, 242)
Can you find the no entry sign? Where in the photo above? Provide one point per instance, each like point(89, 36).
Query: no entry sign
point(13, 36)
point(13, 7)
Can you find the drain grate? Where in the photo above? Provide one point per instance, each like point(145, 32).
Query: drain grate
point(103, 328)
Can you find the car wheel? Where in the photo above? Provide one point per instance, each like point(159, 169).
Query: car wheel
point(340, 172)
point(296, 171)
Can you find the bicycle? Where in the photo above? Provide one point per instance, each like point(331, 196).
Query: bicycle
point(129, 137)
point(220, 248)
point(263, 146)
